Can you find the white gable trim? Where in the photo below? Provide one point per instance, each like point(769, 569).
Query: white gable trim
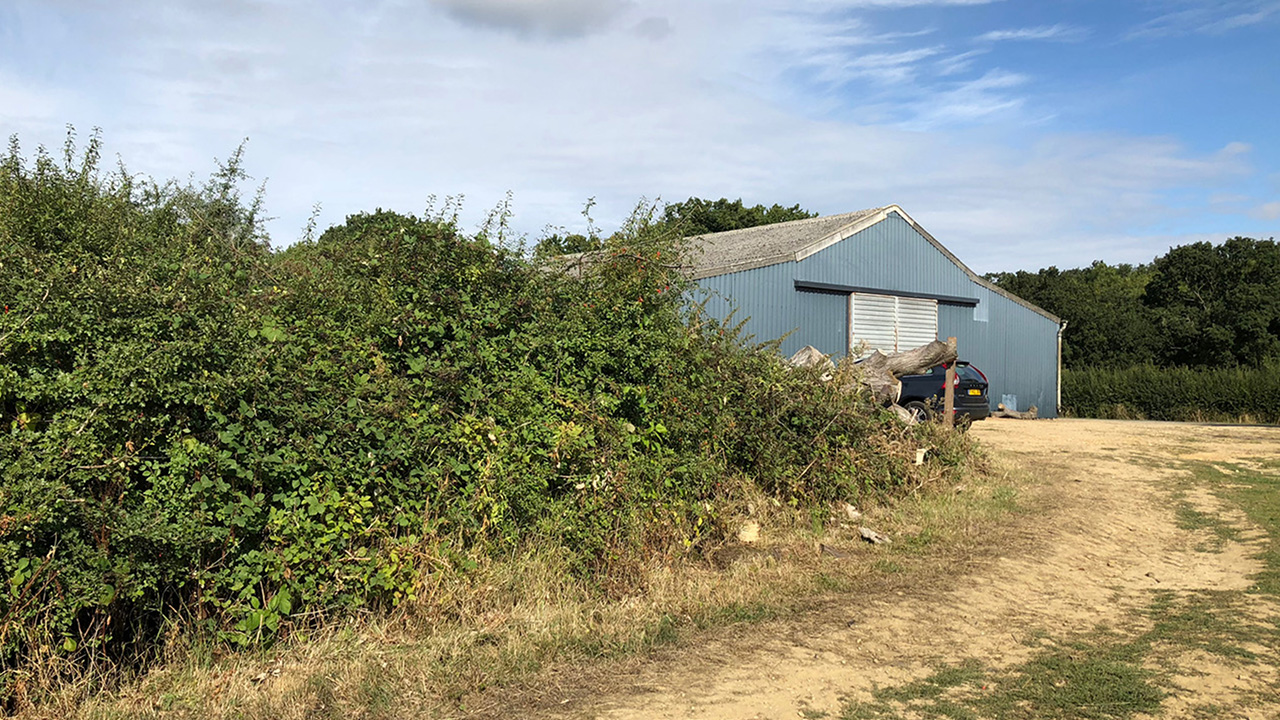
point(843, 233)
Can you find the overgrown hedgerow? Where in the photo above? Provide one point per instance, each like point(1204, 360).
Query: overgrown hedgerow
point(204, 435)
point(1174, 393)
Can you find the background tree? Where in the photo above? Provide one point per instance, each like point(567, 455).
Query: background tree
point(1107, 323)
point(1218, 305)
point(696, 216)
point(569, 244)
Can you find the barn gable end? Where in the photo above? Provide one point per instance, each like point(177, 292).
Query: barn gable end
point(819, 281)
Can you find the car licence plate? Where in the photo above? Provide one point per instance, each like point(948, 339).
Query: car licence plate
point(975, 391)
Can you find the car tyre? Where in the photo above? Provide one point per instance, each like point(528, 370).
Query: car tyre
point(919, 411)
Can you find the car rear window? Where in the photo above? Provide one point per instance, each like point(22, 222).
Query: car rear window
point(965, 372)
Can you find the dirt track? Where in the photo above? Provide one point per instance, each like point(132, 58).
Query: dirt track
point(1107, 537)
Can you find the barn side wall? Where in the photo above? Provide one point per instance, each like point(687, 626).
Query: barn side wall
point(1013, 345)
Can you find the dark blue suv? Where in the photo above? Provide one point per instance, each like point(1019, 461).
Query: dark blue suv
point(922, 394)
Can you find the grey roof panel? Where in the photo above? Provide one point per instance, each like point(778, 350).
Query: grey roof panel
point(738, 250)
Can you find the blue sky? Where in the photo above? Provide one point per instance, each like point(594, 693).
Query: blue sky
point(1021, 134)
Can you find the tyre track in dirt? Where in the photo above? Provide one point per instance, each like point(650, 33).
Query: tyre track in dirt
point(1105, 537)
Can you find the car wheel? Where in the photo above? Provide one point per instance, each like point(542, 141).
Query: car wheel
point(919, 411)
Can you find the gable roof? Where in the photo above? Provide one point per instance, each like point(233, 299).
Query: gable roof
point(764, 245)
point(737, 250)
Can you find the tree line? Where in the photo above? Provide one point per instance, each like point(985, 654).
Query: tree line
point(1199, 305)
point(692, 217)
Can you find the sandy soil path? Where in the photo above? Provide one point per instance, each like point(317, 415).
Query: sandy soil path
point(1108, 535)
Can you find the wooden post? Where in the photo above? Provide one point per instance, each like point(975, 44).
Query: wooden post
point(949, 395)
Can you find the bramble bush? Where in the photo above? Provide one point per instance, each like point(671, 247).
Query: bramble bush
point(207, 436)
point(1174, 393)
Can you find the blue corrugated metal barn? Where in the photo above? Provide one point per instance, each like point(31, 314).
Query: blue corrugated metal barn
point(875, 279)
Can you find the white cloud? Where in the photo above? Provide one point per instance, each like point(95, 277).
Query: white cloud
point(1267, 211)
point(904, 3)
point(884, 77)
point(654, 28)
point(969, 101)
point(536, 18)
point(1043, 32)
point(383, 105)
point(1067, 200)
point(1208, 17)
point(955, 64)
point(894, 67)
point(26, 103)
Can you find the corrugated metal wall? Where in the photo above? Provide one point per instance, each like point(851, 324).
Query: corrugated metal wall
point(766, 298)
point(1014, 346)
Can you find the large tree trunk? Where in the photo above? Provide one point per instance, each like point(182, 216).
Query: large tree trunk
point(810, 356)
point(881, 371)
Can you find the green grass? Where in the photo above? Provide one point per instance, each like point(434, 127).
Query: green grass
point(1187, 515)
point(1110, 674)
point(1081, 680)
point(1212, 621)
point(933, 687)
point(826, 582)
point(1005, 498)
point(738, 612)
point(1101, 677)
point(1189, 518)
point(889, 567)
point(1257, 492)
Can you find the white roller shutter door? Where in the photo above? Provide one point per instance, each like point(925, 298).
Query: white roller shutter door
point(872, 320)
point(889, 323)
point(917, 322)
